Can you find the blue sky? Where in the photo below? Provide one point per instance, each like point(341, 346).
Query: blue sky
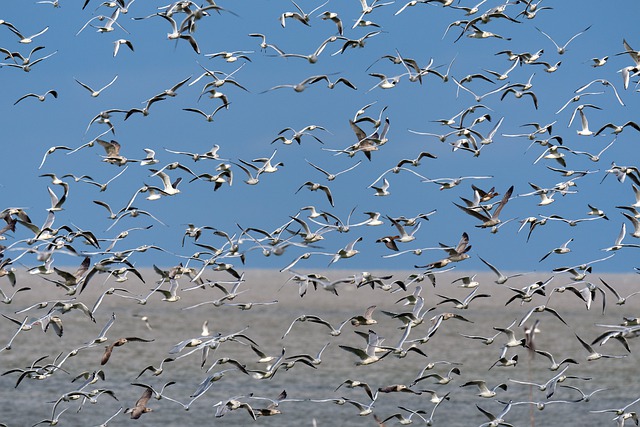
point(247, 128)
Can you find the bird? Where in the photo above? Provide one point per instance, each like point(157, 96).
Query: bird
point(367, 355)
point(40, 98)
point(263, 44)
point(439, 378)
point(231, 56)
point(555, 365)
point(208, 117)
point(540, 309)
point(313, 58)
point(330, 84)
point(484, 390)
point(120, 42)
point(314, 186)
point(347, 252)
point(299, 16)
point(617, 245)
point(51, 151)
point(463, 304)
point(297, 87)
point(489, 219)
point(620, 299)
point(584, 131)
point(383, 190)
point(617, 129)
point(332, 176)
point(96, 93)
point(502, 279)
point(318, 320)
point(594, 355)
point(141, 405)
point(519, 94)
point(562, 49)
point(117, 343)
point(560, 250)
point(26, 39)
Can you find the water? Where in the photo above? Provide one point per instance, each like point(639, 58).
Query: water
point(32, 400)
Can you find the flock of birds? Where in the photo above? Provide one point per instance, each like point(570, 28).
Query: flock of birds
point(210, 257)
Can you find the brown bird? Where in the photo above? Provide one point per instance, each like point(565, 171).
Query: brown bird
point(389, 242)
point(119, 342)
point(141, 405)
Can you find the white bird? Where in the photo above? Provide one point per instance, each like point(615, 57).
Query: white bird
point(40, 98)
point(584, 131)
point(617, 245)
point(96, 93)
point(562, 49)
point(120, 42)
point(383, 189)
point(347, 252)
point(27, 39)
point(561, 250)
point(502, 279)
point(208, 117)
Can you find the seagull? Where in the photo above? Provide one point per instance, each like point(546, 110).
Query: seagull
point(519, 94)
point(355, 383)
point(411, 4)
point(333, 16)
point(478, 98)
point(318, 320)
point(502, 279)
point(27, 39)
point(604, 83)
point(332, 176)
point(489, 219)
point(464, 304)
point(231, 56)
point(313, 186)
point(367, 355)
point(347, 252)
point(618, 242)
point(595, 157)
point(263, 44)
point(439, 378)
point(95, 93)
point(40, 98)
point(549, 68)
point(540, 309)
point(208, 117)
point(617, 129)
point(594, 355)
point(312, 58)
point(27, 66)
point(51, 151)
point(584, 131)
point(385, 82)
point(562, 49)
point(620, 299)
point(357, 42)
point(561, 250)
point(331, 84)
point(301, 16)
point(120, 42)
point(484, 390)
point(298, 87)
